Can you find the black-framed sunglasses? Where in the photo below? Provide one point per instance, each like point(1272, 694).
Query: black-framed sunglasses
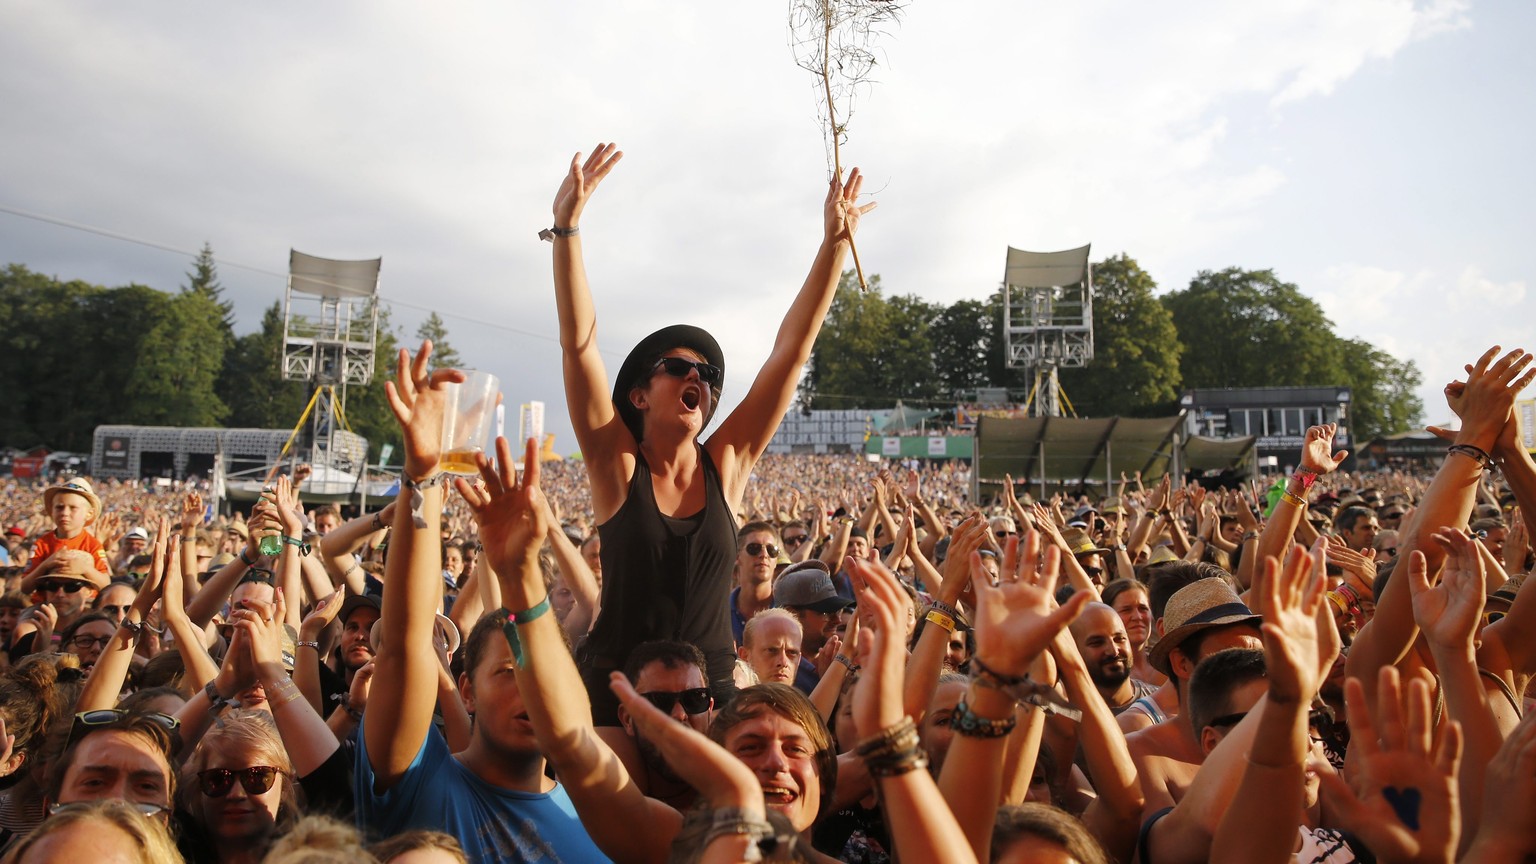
point(694, 701)
point(217, 782)
point(48, 586)
point(796, 539)
point(756, 549)
point(1316, 720)
point(1002, 534)
point(679, 367)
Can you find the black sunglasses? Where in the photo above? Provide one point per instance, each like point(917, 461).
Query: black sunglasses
point(50, 586)
point(1007, 533)
point(679, 367)
point(1316, 719)
point(796, 540)
point(694, 701)
point(217, 782)
point(756, 549)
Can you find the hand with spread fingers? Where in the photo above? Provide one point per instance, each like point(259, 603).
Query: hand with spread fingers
point(1017, 618)
point(1299, 652)
point(1507, 832)
point(1485, 400)
point(882, 648)
point(1317, 453)
point(1404, 802)
point(417, 397)
point(581, 180)
point(513, 519)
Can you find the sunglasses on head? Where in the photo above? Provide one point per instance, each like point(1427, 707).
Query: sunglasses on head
point(694, 701)
point(50, 586)
point(756, 549)
point(679, 367)
point(107, 716)
point(217, 782)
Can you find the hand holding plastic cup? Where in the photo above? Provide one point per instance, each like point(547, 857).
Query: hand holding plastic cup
point(467, 416)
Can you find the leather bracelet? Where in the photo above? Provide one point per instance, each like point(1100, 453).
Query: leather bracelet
point(246, 561)
point(554, 231)
point(378, 524)
point(1476, 454)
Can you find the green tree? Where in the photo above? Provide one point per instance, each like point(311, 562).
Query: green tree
point(1246, 328)
point(443, 355)
point(961, 335)
point(175, 374)
point(1135, 365)
point(204, 280)
point(1384, 390)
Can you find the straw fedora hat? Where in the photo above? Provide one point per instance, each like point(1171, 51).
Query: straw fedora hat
point(78, 485)
point(73, 566)
point(1197, 606)
point(1078, 542)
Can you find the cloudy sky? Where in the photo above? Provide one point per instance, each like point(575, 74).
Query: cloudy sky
point(1375, 152)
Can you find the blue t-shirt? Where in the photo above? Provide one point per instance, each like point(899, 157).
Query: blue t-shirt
point(491, 823)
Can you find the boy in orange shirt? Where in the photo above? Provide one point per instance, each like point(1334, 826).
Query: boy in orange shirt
point(72, 505)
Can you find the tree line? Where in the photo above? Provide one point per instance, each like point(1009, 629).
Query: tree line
point(75, 356)
point(1228, 328)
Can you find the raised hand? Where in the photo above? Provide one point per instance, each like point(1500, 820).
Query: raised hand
point(513, 520)
point(262, 625)
point(191, 512)
point(1517, 544)
point(1017, 618)
point(882, 647)
point(842, 209)
point(1299, 655)
point(581, 181)
point(1405, 803)
point(1317, 453)
point(321, 616)
point(1359, 570)
point(1448, 612)
point(417, 397)
point(1484, 400)
point(286, 507)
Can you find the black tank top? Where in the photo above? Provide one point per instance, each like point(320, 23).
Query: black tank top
point(666, 578)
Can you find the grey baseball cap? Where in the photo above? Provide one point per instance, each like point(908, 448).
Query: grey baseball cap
point(808, 585)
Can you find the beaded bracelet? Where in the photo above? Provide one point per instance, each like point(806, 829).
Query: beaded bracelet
point(964, 721)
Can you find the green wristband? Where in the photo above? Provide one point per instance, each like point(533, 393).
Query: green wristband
point(509, 629)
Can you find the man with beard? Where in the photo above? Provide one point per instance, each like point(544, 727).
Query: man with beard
point(670, 675)
point(1106, 649)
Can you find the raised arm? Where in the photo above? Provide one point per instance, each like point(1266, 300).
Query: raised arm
point(1269, 804)
point(337, 547)
point(307, 739)
point(106, 681)
point(1484, 403)
point(744, 435)
point(406, 664)
point(598, 428)
point(922, 827)
point(514, 520)
point(289, 572)
point(578, 577)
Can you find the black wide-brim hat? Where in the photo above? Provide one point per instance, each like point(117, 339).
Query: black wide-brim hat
point(642, 356)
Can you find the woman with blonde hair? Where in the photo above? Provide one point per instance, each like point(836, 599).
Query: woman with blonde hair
point(237, 790)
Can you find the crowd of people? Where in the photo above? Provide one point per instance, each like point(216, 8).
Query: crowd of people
point(683, 649)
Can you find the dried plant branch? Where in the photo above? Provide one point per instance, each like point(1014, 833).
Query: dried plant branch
point(834, 39)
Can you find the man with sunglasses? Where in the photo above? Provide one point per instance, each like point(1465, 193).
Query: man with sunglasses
point(670, 675)
point(67, 587)
point(757, 556)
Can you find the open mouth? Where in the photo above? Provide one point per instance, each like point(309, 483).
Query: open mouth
point(779, 797)
point(691, 398)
